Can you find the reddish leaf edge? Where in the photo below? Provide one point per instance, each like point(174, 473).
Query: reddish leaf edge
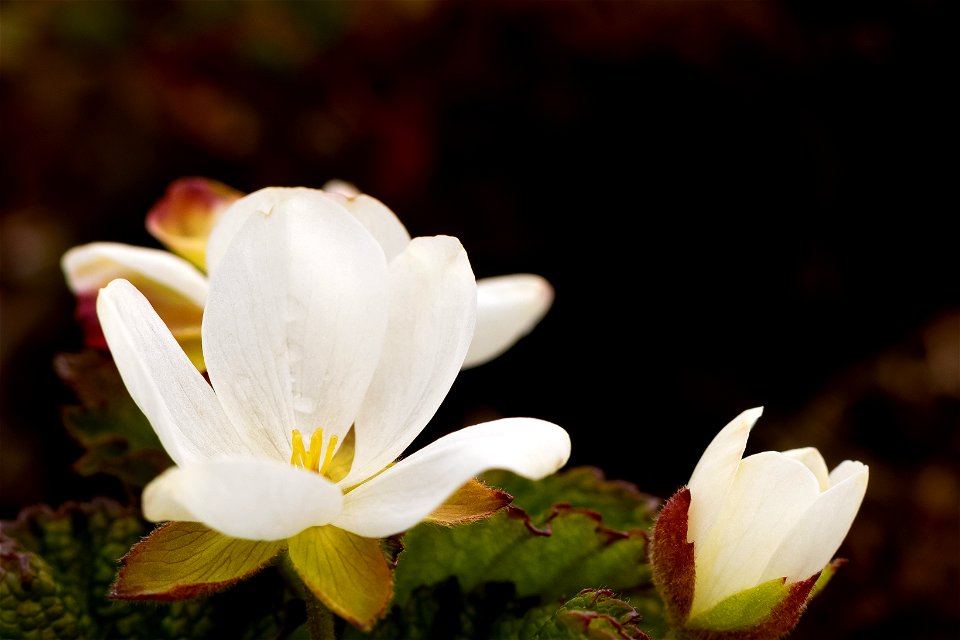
point(562, 510)
point(181, 592)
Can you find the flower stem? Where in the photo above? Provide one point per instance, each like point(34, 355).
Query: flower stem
point(321, 623)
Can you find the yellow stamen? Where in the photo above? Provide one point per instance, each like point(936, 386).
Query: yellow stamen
point(328, 456)
point(309, 459)
point(298, 457)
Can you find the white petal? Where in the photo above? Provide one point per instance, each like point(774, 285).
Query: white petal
point(432, 310)
point(508, 308)
point(236, 215)
point(814, 540)
point(178, 402)
point(92, 266)
point(295, 321)
point(341, 188)
point(243, 498)
point(381, 222)
point(765, 500)
point(404, 494)
point(844, 470)
point(715, 471)
point(812, 459)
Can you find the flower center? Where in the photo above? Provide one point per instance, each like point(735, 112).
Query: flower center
point(310, 459)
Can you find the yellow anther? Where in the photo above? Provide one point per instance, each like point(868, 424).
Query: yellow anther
point(299, 455)
point(309, 459)
point(328, 456)
point(316, 446)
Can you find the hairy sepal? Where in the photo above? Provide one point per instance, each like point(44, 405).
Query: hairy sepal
point(181, 560)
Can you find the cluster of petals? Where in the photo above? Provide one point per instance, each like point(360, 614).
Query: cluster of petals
point(176, 283)
point(319, 314)
point(769, 516)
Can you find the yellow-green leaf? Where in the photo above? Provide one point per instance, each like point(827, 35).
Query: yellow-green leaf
point(349, 574)
point(186, 559)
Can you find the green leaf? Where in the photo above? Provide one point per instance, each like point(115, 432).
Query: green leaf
point(445, 612)
point(826, 575)
point(744, 609)
point(118, 439)
point(506, 576)
point(186, 559)
point(552, 553)
point(621, 504)
point(577, 552)
point(769, 610)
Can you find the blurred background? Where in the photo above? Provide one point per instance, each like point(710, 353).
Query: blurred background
point(738, 204)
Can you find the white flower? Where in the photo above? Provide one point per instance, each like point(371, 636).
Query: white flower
point(768, 516)
point(319, 321)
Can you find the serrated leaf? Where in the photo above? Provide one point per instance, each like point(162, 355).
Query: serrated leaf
point(506, 576)
point(567, 549)
point(621, 504)
point(596, 614)
point(574, 550)
point(182, 560)
point(118, 439)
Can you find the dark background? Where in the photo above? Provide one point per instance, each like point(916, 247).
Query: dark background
point(738, 203)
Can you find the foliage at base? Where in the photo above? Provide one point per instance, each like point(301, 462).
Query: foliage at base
point(56, 568)
point(522, 573)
